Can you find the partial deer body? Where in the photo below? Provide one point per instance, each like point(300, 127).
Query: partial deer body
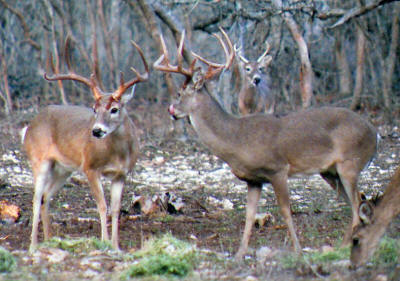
point(334, 142)
point(255, 95)
point(375, 216)
point(98, 142)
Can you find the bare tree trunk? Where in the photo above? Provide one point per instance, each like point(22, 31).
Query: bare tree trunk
point(342, 66)
point(4, 73)
point(389, 62)
point(107, 42)
point(55, 50)
point(306, 72)
point(152, 27)
point(356, 102)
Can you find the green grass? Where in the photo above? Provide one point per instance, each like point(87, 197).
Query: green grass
point(165, 256)
point(388, 252)
point(292, 260)
point(77, 246)
point(7, 261)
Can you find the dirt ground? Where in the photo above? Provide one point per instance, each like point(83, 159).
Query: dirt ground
point(212, 216)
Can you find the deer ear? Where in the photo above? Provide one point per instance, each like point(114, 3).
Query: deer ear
point(198, 79)
point(365, 211)
point(266, 61)
point(128, 96)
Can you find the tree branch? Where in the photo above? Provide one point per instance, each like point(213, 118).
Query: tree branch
point(359, 11)
point(25, 27)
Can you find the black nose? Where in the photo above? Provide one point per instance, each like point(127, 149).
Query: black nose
point(257, 80)
point(98, 133)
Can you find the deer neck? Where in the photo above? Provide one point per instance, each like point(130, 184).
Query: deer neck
point(215, 127)
point(388, 207)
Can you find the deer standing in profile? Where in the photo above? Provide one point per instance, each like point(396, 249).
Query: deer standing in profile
point(375, 216)
point(99, 142)
point(255, 95)
point(333, 142)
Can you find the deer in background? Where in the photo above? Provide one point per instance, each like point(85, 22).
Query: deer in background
point(255, 95)
point(375, 216)
point(99, 142)
point(333, 142)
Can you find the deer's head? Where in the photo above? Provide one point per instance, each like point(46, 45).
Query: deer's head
point(108, 108)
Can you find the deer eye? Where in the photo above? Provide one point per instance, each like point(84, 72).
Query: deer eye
point(94, 109)
point(248, 69)
point(114, 110)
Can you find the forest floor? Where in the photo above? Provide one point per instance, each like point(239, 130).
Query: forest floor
point(210, 215)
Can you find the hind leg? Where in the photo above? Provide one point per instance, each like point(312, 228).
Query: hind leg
point(349, 172)
point(345, 183)
point(57, 179)
point(42, 181)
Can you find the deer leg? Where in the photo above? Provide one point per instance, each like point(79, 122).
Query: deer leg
point(41, 181)
point(348, 173)
point(116, 194)
point(57, 180)
point(97, 191)
point(253, 196)
point(281, 190)
point(335, 182)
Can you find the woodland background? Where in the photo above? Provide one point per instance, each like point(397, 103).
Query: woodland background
point(334, 52)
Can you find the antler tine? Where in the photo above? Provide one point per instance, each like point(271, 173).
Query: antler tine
point(216, 68)
point(71, 75)
point(268, 47)
point(238, 50)
point(229, 54)
point(163, 64)
point(140, 77)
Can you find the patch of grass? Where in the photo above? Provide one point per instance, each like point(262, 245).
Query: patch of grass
point(7, 261)
point(165, 256)
point(165, 219)
point(292, 260)
point(77, 246)
point(336, 255)
point(388, 252)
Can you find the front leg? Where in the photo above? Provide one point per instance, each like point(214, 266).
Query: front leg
point(97, 191)
point(279, 183)
point(253, 196)
point(116, 194)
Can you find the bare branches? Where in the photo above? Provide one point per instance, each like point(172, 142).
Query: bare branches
point(359, 11)
point(25, 27)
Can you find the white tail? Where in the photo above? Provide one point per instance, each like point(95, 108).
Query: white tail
point(98, 141)
point(375, 216)
point(333, 142)
point(255, 95)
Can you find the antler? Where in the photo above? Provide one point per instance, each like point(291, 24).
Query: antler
point(238, 50)
point(216, 68)
point(163, 63)
point(92, 83)
point(268, 47)
point(139, 77)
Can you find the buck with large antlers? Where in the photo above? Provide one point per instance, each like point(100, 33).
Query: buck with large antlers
point(99, 142)
point(375, 216)
point(255, 95)
point(333, 142)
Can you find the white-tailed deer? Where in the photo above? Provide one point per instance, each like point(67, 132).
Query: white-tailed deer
point(99, 142)
point(255, 95)
point(333, 142)
point(375, 216)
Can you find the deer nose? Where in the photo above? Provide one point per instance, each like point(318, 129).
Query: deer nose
point(98, 133)
point(256, 80)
